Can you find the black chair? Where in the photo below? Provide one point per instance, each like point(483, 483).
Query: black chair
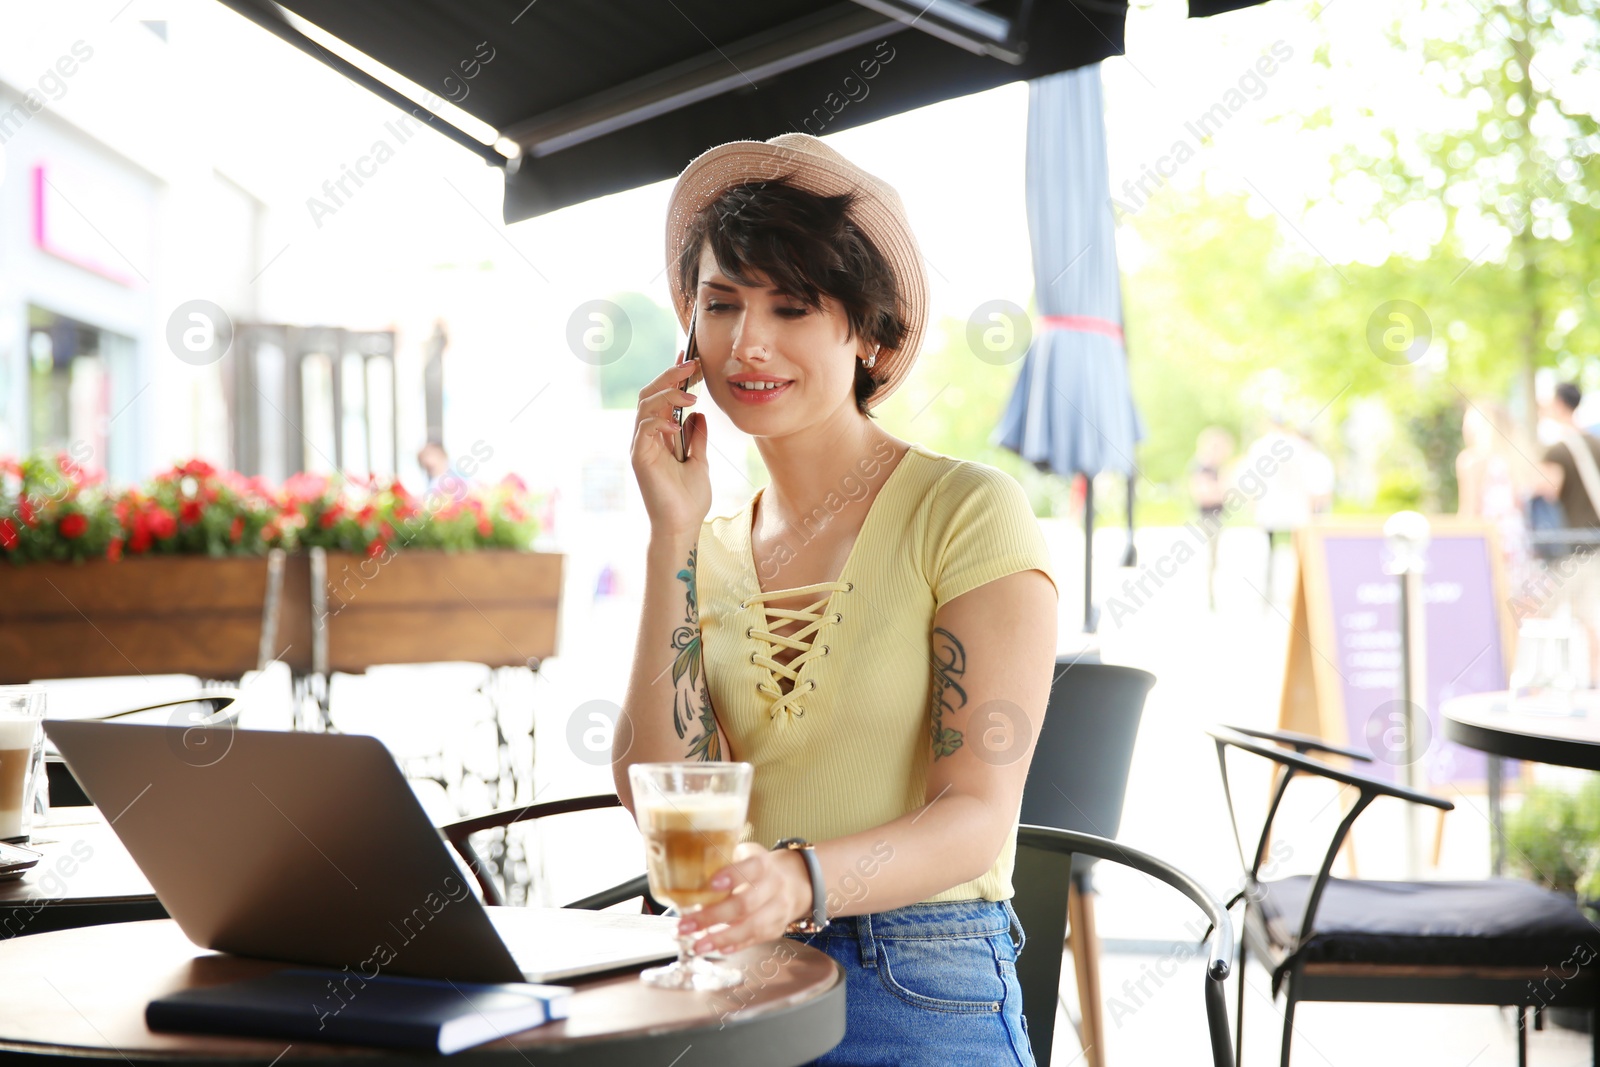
point(1045, 858)
point(1078, 781)
point(459, 834)
point(1496, 941)
point(223, 706)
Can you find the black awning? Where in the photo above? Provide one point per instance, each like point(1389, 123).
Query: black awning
point(605, 95)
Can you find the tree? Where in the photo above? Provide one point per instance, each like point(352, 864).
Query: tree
point(1515, 180)
point(652, 346)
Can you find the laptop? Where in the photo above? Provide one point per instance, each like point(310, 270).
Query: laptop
point(312, 848)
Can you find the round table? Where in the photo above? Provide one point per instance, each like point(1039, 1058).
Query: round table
point(86, 877)
point(81, 994)
point(1562, 730)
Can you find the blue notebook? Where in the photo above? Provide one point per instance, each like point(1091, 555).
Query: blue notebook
point(341, 1007)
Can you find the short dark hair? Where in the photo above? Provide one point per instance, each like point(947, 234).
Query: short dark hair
point(1569, 395)
point(806, 247)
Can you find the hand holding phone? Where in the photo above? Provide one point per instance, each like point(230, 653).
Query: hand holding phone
point(680, 443)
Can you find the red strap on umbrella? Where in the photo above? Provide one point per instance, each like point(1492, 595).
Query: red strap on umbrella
point(1082, 324)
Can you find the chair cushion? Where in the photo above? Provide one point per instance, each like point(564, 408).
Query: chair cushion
point(1498, 921)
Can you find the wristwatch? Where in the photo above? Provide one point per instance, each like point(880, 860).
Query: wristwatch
point(819, 891)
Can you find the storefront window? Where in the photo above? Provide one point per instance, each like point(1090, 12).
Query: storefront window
point(80, 391)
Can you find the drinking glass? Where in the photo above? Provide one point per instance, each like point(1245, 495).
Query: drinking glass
point(1552, 664)
point(21, 757)
point(692, 815)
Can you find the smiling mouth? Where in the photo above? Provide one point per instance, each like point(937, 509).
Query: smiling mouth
point(758, 387)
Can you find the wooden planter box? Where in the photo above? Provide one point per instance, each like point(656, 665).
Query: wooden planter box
point(161, 615)
point(496, 606)
point(204, 616)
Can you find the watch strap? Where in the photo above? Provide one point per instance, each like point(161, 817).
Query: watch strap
point(819, 890)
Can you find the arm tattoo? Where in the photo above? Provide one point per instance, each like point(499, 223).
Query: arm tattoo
point(949, 664)
point(691, 699)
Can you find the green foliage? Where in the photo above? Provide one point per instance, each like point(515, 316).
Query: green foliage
point(1232, 315)
point(952, 403)
point(1513, 181)
point(1554, 837)
point(652, 346)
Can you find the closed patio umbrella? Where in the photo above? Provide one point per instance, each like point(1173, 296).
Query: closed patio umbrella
point(1071, 411)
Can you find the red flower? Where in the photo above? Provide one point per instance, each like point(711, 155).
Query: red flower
point(190, 512)
point(114, 549)
point(270, 532)
point(366, 513)
point(515, 482)
point(236, 531)
point(25, 511)
point(304, 486)
point(8, 534)
point(139, 539)
point(512, 512)
point(198, 468)
point(73, 526)
point(485, 527)
point(162, 524)
point(376, 548)
point(331, 516)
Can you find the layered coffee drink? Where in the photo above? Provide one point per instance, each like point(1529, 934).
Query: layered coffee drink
point(20, 740)
point(689, 838)
point(692, 816)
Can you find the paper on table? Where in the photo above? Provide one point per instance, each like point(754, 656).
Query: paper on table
point(553, 944)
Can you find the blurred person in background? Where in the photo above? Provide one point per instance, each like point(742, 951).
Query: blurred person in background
point(443, 477)
point(1570, 478)
point(1495, 478)
point(1208, 484)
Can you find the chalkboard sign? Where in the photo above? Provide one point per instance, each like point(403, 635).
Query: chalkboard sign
point(1344, 676)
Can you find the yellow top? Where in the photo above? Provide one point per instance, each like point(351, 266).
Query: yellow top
point(848, 746)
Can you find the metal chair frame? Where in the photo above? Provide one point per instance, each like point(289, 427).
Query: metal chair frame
point(459, 834)
point(1420, 983)
point(1041, 878)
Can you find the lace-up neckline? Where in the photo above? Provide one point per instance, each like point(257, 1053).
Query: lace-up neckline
point(815, 616)
point(803, 641)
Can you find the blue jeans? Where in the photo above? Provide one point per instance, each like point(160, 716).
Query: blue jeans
point(929, 984)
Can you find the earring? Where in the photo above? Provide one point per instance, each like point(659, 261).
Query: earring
point(871, 360)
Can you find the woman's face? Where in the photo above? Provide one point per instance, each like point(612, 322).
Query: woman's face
point(771, 362)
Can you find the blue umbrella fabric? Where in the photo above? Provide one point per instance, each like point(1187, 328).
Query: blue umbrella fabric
point(1072, 411)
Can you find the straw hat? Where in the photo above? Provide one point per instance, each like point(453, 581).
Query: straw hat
point(806, 163)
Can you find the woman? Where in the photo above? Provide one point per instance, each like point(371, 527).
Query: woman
point(874, 631)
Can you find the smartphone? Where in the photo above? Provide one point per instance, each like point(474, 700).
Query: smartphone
point(691, 351)
point(15, 861)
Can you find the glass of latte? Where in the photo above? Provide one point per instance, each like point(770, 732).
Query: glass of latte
point(692, 815)
point(21, 757)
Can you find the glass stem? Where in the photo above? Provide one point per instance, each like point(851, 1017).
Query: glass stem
point(686, 942)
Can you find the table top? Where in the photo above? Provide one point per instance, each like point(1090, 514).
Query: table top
point(82, 993)
point(1560, 730)
point(84, 863)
